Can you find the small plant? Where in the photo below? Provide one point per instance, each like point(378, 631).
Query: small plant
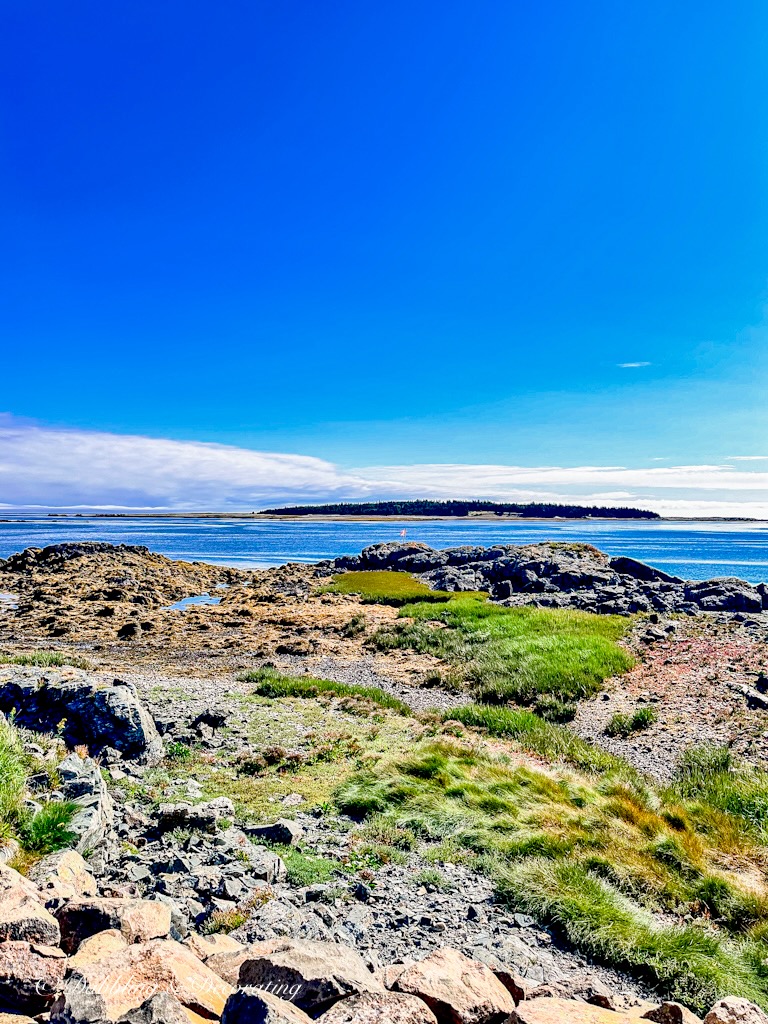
point(625, 724)
point(48, 829)
point(179, 752)
point(306, 868)
point(432, 878)
point(355, 626)
point(223, 921)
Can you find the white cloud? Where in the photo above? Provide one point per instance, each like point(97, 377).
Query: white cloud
point(51, 467)
point(632, 366)
point(747, 458)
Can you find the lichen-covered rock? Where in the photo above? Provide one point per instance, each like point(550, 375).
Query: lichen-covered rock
point(569, 1011)
point(30, 975)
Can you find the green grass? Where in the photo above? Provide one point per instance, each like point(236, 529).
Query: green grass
point(271, 683)
point(709, 777)
point(39, 833)
point(604, 857)
point(539, 657)
point(307, 868)
point(537, 736)
point(45, 659)
point(626, 723)
point(395, 588)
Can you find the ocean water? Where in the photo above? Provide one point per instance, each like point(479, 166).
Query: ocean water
point(693, 550)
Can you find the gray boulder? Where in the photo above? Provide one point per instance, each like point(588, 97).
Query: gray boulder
point(640, 571)
point(319, 973)
point(94, 713)
point(82, 782)
point(728, 594)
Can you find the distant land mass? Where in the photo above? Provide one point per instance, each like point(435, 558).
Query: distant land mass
point(459, 509)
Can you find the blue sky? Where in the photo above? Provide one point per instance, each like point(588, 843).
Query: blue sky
point(383, 236)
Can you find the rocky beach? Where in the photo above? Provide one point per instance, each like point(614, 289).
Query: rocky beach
point(246, 758)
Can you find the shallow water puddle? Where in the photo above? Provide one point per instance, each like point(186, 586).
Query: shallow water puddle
point(8, 602)
point(189, 602)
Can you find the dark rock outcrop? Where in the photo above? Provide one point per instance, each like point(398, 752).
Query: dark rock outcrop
point(85, 710)
point(561, 576)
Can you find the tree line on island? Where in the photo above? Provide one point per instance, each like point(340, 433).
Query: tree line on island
point(426, 507)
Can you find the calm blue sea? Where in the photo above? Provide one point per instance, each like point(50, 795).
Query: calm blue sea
point(692, 550)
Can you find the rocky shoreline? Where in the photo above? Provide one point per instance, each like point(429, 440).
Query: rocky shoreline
point(220, 909)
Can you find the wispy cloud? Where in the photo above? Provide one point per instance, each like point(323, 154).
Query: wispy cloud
point(53, 467)
point(747, 458)
point(632, 366)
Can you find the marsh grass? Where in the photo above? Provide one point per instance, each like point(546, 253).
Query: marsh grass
point(541, 657)
point(602, 856)
point(271, 683)
point(384, 587)
point(45, 659)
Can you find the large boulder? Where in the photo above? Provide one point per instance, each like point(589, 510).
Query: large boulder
point(733, 1010)
point(380, 1008)
point(384, 556)
point(30, 975)
point(314, 974)
point(261, 1006)
point(572, 1011)
point(107, 988)
point(63, 876)
point(94, 713)
point(204, 816)
point(728, 594)
point(82, 782)
point(284, 831)
point(640, 571)
point(22, 914)
point(136, 920)
point(162, 1008)
point(457, 990)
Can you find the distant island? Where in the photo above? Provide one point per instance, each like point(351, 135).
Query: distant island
point(461, 509)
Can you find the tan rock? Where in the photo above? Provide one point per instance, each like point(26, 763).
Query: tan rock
point(13, 1018)
point(258, 1006)
point(569, 1011)
point(22, 914)
point(136, 920)
point(63, 876)
point(227, 965)
point(313, 975)
point(380, 1008)
point(204, 946)
point(30, 974)
point(732, 1010)
point(457, 990)
point(98, 946)
point(388, 975)
point(671, 1013)
point(124, 980)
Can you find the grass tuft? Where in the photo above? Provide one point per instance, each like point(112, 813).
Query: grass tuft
point(271, 683)
point(626, 723)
